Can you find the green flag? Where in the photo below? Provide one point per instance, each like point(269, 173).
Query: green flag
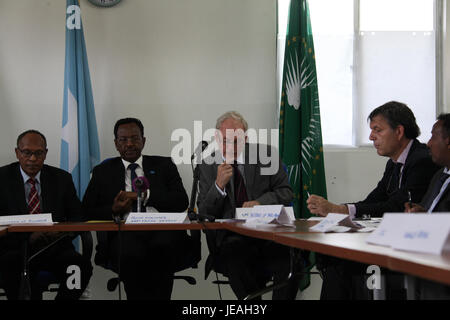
point(300, 132)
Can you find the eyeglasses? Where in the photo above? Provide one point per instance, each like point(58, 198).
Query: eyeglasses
point(124, 140)
point(27, 153)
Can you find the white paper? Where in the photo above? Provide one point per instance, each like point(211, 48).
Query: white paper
point(426, 233)
point(385, 233)
point(159, 217)
point(316, 218)
point(41, 218)
point(329, 223)
point(265, 214)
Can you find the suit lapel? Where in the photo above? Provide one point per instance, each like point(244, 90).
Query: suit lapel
point(149, 169)
point(47, 189)
point(18, 189)
point(118, 176)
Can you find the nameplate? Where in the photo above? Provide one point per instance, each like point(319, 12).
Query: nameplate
point(266, 214)
point(388, 230)
point(41, 218)
point(425, 233)
point(156, 217)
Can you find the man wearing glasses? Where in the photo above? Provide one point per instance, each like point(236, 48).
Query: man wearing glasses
point(31, 187)
point(406, 177)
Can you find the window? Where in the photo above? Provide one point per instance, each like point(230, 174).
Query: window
point(369, 52)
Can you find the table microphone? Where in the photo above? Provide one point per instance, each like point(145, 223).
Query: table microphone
point(141, 185)
point(200, 148)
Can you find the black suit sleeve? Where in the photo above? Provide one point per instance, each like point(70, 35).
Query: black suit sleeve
point(168, 194)
point(96, 203)
point(415, 178)
point(210, 201)
point(71, 202)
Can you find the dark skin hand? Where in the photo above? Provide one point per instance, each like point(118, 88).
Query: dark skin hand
point(123, 202)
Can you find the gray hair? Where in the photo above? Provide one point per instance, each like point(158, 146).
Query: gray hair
point(234, 115)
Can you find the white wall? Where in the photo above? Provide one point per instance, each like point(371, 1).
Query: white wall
point(167, 62)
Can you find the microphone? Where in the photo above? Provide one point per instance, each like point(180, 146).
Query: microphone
point(191, 209)
point(200, 148)
point(141, 185)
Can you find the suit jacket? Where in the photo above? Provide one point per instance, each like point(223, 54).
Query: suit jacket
point(167, 193)
point(417, 173)
point(58, 194)
point(267, 189)
point(443, 204)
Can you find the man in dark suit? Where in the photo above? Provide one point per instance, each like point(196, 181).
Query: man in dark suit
point(437, 197)
point(149, 258)
point(408, 172)
point(30, 187)
point(234, 177)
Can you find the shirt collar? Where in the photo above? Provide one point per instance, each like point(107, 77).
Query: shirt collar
point(26, 177)
point(138, 162)
point(402, 158)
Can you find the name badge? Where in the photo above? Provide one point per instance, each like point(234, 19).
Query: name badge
point(40, 218)
point(156, 217)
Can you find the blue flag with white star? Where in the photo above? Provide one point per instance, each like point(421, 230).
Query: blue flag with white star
point(80, 150)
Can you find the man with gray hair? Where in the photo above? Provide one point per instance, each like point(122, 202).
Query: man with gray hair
point(231, 178)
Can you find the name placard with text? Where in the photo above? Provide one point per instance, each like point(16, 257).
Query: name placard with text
point(156, 217)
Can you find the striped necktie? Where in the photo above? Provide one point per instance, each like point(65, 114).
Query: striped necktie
point(34, 205)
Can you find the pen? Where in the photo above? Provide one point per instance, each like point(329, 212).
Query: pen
point(409, 199)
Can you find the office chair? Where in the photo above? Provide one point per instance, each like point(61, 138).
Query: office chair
point(193, 250)
point(215, 263)
point(45, 280)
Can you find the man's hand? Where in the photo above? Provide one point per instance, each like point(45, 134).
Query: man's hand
point(319, 205)
point(414, 207)
point(224, 174)
point(250, 204)
point(122, 203)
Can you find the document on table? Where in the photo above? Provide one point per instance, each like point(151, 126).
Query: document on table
point(338, 222)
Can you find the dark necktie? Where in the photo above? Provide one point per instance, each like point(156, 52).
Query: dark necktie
point(394, 180)
point(435, 191)
point(34, 205)
point(240, 193)
point(132, 167)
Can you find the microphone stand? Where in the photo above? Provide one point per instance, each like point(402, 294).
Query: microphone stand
point(117, 220)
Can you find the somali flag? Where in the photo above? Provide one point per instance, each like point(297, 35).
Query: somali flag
point(80, 150)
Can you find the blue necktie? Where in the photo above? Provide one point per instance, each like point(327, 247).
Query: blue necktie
point(132, 167)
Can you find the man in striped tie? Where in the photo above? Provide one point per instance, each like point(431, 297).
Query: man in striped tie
point(31, 187)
